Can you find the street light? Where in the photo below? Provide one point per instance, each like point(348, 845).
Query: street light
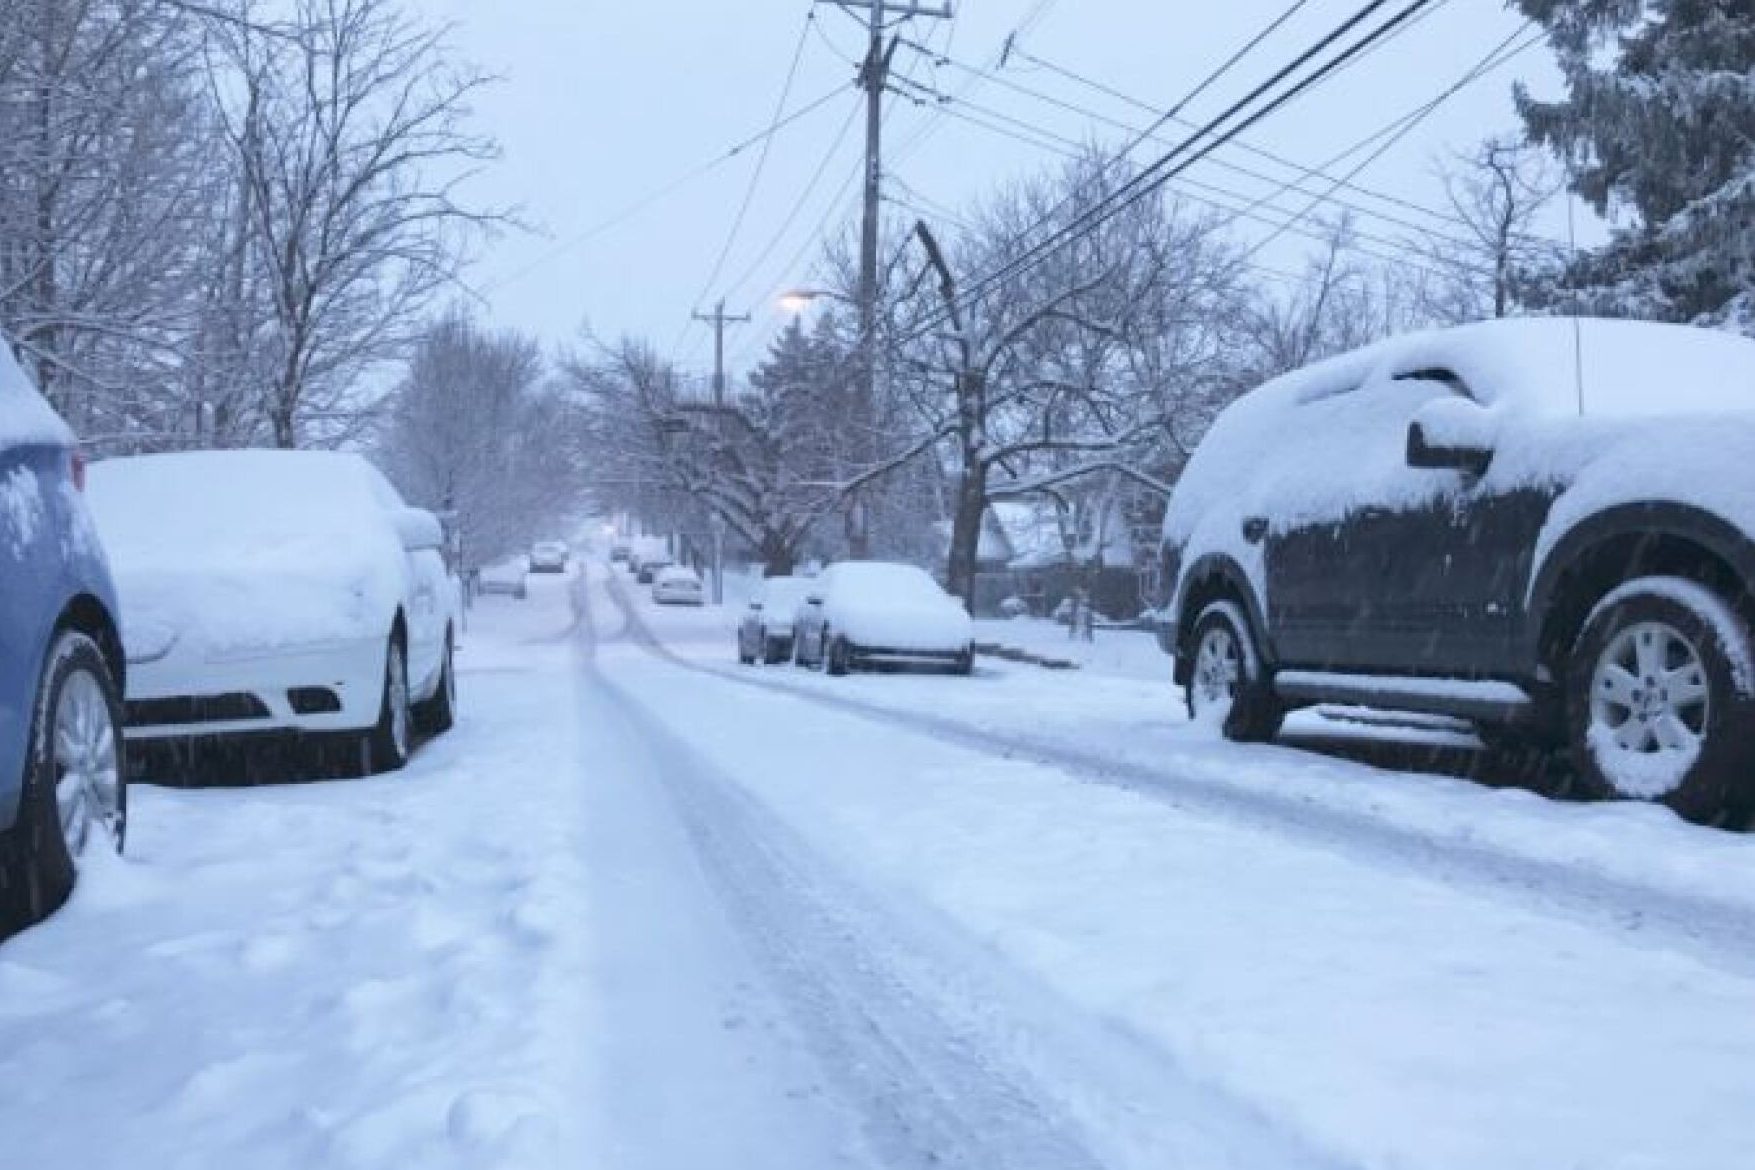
point(797, 300)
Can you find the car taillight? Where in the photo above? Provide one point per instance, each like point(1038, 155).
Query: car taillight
point(77, 469)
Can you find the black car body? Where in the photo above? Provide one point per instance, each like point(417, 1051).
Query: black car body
point(1470, 522)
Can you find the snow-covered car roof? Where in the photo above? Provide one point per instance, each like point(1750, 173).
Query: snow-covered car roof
point(672, 573)
point(877, 581)
point(24, 416)
point(1555, 366)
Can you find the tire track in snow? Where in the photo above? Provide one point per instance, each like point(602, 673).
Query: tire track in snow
point(1720, 933)
point(942, 1050)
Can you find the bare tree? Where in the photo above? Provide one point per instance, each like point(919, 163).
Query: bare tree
point(353, 141)
point(470, 431)
point(1497, 192)
point(1072, 366)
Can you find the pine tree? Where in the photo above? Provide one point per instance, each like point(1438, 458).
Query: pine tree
point(1658, 125)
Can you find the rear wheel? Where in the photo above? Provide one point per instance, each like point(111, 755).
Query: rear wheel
point(1661, 698)
point(837, 657)
point(1226, 682)
point(75, 798)
point(386, 746)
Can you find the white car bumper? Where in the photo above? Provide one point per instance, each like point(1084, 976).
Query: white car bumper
point(333, 687)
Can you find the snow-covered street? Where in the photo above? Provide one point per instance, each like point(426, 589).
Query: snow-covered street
point(647, 909)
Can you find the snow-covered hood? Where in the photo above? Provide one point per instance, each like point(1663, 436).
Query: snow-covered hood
point(910, 624)
point(242, 602)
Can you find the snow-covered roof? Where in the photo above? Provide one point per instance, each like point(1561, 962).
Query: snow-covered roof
point(24, 416)
point(1536, 365)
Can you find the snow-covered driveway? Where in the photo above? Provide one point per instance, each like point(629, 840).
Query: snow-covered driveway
point(646, 910)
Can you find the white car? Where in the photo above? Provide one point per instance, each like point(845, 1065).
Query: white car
point(867, 612)
point(274, 591)
point(548, 556)
point(677, 585)
point(765, 633)
point(509, 577)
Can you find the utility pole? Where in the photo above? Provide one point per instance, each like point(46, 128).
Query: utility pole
point(719, 319)
point(873, 77)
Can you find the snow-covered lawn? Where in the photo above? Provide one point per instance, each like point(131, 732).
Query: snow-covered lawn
point(370, 973)
point(1193, 984)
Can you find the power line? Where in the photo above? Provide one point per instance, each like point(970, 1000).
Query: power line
point(749, 192)
point(659, 193)
point(1497, 56)
point(1165, 167)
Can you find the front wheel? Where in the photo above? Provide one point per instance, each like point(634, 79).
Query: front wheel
point(1661, 697)
point(386, 746)
point(436, 714)
point(1226, 682)
point(75, 797)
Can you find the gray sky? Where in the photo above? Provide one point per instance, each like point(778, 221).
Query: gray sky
point(604, 103)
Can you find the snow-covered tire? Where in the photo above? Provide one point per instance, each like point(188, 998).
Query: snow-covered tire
point(1226, 681)
point(837, 656)
point(75, 795)
point(435, 714)
point(386, 747)
point(1660, 699)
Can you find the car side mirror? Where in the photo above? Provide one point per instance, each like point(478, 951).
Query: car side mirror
point(1452, 434)
point(418, 529)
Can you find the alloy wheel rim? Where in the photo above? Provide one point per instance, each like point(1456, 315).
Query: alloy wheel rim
point(88, 777)
point(1650, 693)
point(1217, 669)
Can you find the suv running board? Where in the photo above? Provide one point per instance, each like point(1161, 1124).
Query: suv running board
point(1461, 697)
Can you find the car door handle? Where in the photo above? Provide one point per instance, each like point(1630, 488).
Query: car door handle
point(1255, 529)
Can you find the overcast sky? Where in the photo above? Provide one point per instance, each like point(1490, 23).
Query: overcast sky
point(602, 104)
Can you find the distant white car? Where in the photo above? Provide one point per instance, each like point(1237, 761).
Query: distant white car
point(549, 556)
point(867, 612)
point(677, 585)
point(765, 633)
point(276, 591)
point(509, 577)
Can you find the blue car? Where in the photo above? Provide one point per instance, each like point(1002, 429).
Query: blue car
point(62, 780)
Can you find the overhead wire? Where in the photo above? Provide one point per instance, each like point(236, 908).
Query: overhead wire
point(1155, 174)
point(756, 172)
point(658, 194)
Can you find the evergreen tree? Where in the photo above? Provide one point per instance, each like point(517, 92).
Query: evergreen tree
point(1658, 125)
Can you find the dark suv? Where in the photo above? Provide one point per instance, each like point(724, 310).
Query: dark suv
point(1544, 526)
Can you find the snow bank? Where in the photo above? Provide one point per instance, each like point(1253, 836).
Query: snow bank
point(249, 550)
point(363, 975)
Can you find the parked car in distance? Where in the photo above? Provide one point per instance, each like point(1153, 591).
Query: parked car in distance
point(619, 553)
point(677, 585)
point(1471, 522)
point(549, 556)
point(649, 568)
point(765, 632)
point(277, 591)
point(860, 613)
point(509, 577)
point(63, 791)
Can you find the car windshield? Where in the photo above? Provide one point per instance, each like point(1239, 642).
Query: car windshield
point(1145, 585)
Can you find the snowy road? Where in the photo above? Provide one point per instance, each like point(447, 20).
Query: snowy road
point(646, 911)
